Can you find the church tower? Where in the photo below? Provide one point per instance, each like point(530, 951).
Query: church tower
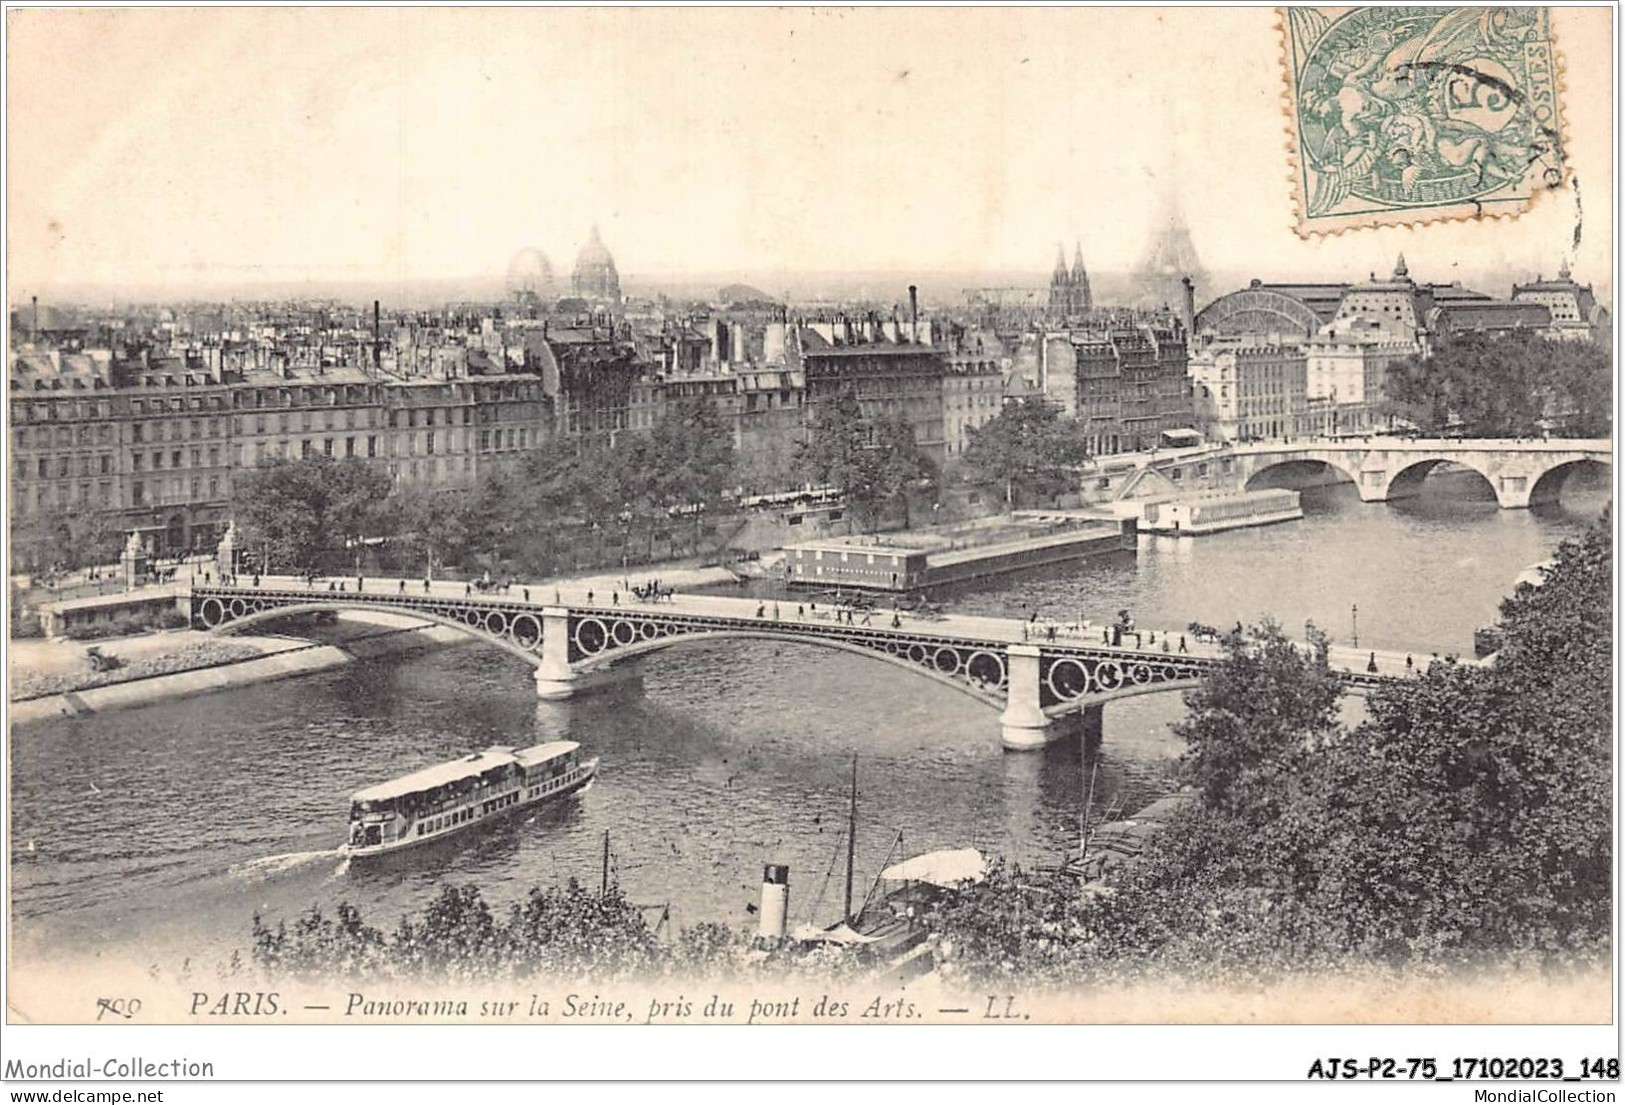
point(1083, 301)
point(1060, 287)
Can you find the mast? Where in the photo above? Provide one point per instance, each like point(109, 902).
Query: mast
point(851, 838)
point(603, 878)
point(1088, 804)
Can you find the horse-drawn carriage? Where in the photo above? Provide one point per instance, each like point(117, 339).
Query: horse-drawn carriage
point(1206, 634)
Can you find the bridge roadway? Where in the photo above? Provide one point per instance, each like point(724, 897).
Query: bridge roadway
point(573, 637)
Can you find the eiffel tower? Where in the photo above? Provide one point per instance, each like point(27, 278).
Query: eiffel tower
point(1170, 257)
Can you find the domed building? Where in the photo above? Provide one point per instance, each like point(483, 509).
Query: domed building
point(530, 275)
point(595, 277)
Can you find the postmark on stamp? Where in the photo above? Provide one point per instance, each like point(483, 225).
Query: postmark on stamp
point(1406, 115)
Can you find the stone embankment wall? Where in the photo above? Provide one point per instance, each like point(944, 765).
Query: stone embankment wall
point(300, 660)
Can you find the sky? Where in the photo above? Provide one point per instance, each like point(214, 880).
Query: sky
point(170, 148)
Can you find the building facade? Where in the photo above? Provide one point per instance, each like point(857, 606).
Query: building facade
point(1573, 310)
point(154, 443)
point(1248, 392)
point(890, 379)
point(1124, 383)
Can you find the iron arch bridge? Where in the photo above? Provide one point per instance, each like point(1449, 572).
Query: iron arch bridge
point(572, 644)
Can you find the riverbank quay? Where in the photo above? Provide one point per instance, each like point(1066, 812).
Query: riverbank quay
point(360, 636)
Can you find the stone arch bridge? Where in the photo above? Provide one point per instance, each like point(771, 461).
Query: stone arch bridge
point(1522, 472)
point(572, 643)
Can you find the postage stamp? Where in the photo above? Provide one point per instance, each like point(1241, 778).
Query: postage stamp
point(1406, 115)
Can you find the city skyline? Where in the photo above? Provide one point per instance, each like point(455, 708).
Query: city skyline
point(968, 149)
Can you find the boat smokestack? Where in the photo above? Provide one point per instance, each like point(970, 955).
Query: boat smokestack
point(775, 903)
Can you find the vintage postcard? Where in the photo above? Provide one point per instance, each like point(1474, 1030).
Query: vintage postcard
point(734, 517)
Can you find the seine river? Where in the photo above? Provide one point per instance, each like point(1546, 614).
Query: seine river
point(718, 759)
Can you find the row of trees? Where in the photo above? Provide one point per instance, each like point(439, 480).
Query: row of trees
point(322, 512)
point(1513, 385)
point(572, 503)
point(1467, 821)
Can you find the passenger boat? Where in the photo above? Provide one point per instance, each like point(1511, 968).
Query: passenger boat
point(447, 798)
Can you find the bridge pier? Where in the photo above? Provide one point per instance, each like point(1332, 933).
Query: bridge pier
point(555, 679)
point(1023, 725)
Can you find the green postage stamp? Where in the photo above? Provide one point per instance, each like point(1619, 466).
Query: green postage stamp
point(1405, 115)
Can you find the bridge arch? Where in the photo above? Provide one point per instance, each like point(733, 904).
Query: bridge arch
point(1407, 481)
point(990, 695)
point(1549, 484)
point(1303, 464)
point(256, 617)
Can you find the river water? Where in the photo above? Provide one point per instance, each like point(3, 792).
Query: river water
point(716, 759)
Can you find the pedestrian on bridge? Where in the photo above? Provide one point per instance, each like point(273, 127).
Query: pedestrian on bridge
point(1182, 646)
point(1371, 664)
point(589, 598)
point(358, 580)
point(761, 610)
point(425, 587)
point(526, 592)
point(401, 590)
point(800, 612)
point(1410, 665)
point(615, 597)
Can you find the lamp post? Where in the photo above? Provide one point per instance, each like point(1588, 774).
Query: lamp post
point(1354, 612)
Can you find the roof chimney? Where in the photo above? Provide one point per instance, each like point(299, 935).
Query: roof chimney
point(1187, 313)
point(34, 323)
point(377, 341)
point(913, 313)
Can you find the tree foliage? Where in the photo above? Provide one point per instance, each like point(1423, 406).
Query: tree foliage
point(564, 931)
point(1259, 718)
point(1512, 385)
point(293, 511)
point(65, 542)
point(1029, 448)
point(874, 461)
